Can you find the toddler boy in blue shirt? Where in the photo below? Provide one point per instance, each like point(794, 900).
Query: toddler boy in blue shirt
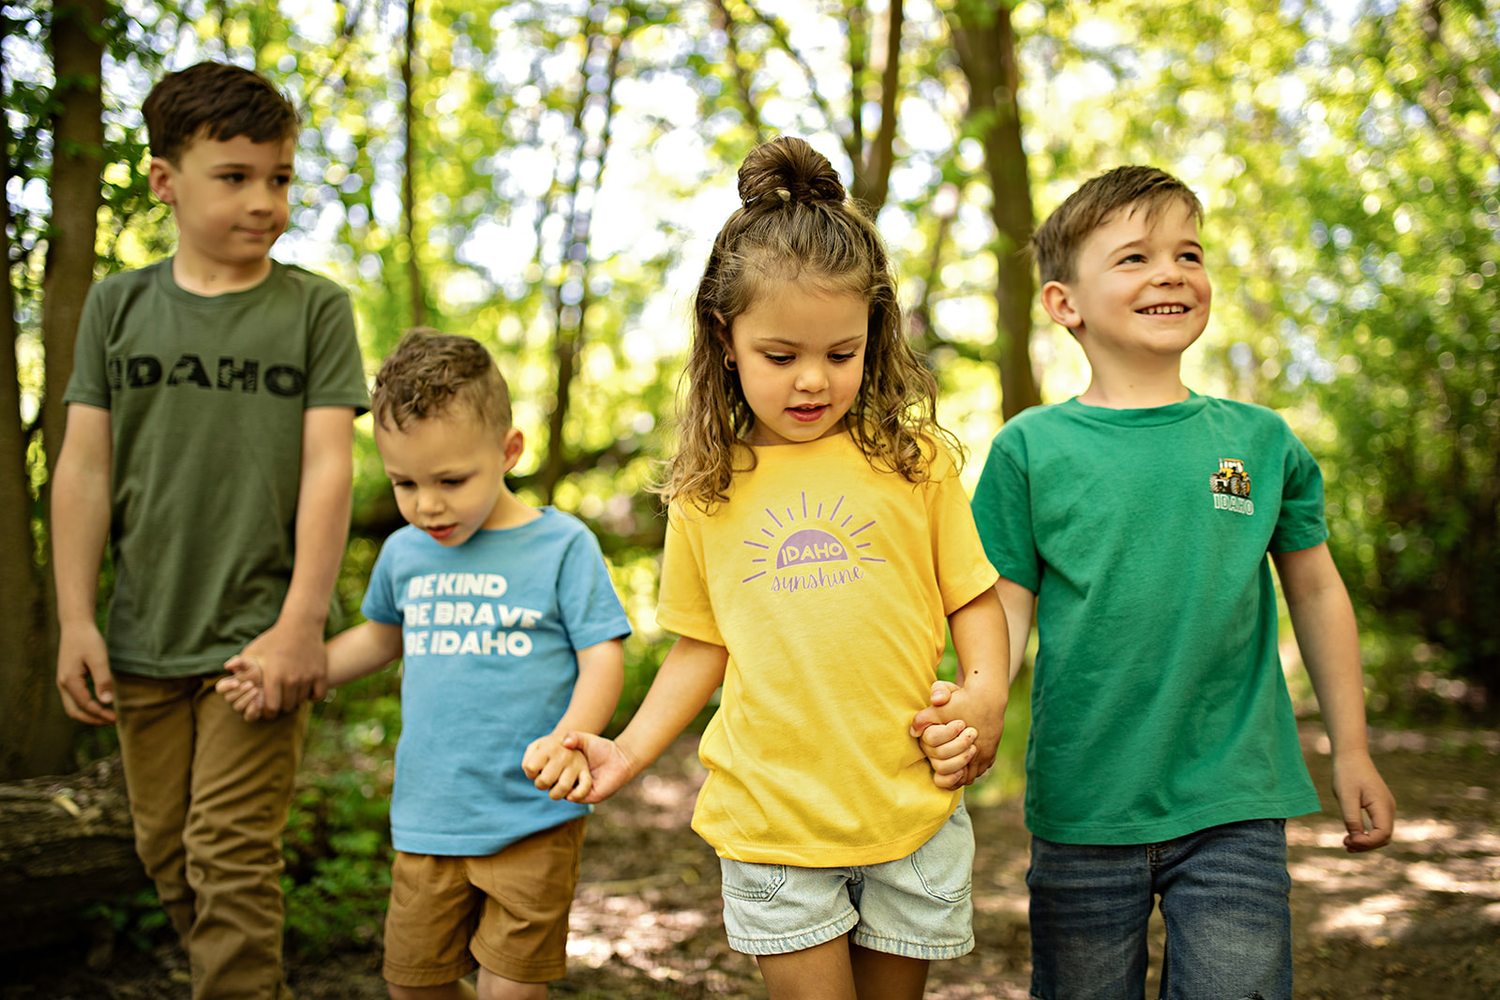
point(510, 634)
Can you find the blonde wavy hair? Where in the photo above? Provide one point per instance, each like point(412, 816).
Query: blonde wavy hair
point(797, 224)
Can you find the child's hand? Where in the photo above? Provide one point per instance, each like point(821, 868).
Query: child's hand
point(610, 767)
point(560, 771)
point(83, 676)
point(949, 748)
point(294, 665)
point(1360, 790)
point(953, 741)
point(244, 687)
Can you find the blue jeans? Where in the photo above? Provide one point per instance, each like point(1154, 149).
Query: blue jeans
point(1224, 901)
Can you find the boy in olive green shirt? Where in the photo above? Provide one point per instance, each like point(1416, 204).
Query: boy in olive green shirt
point(209, 439)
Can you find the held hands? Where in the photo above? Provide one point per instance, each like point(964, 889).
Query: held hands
point(561, 771)
point(958, 753)
point(609, 768)
point(83, 660)
point(1360, 790)
point(293, 665)
point(244, 687)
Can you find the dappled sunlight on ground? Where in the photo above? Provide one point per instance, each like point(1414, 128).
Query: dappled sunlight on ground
point(1419, 920)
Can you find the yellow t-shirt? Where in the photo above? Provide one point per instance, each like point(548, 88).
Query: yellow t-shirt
point(830, 584)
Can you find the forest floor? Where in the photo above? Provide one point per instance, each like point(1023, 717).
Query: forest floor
point(1417, 921)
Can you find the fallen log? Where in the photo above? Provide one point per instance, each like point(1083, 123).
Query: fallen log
point(65, 844)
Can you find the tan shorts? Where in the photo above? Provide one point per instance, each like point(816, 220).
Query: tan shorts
point(507, 912)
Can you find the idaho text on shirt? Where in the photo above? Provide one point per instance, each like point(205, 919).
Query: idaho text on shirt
point(453, 614)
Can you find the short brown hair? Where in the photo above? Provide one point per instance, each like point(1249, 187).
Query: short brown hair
point(1056, 244)
point(429, 374)
point(215, 101)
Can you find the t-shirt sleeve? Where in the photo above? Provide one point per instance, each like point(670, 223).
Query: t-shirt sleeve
point(380, 604)
point(683, 605)
point(963, 572)
point(1301, 523)
point(89, 383)
point(335, 374)
point(591, 610)
point(1002, 511)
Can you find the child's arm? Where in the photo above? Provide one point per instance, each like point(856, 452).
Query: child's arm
point(1323, 620)
point(80, 525)
point(981, 640)
point(601, 677)
point(691, 673)
point(951, 747)
point(352, 654)
point(291, 651)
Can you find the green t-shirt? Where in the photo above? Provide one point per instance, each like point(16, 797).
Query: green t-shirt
point(1158, 705)
point(206, 397)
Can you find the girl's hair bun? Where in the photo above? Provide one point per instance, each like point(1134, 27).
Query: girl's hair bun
point(788, 171)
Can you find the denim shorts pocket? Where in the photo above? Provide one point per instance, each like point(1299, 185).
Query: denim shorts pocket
point(752, 882)
point(945, 864)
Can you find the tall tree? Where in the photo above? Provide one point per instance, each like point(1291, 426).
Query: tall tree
point(985, 42)
point(408, 174)
point(38, 735)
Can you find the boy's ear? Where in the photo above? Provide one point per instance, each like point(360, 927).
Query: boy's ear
point(161, 175)
point(514, 447)
point(1057, 299)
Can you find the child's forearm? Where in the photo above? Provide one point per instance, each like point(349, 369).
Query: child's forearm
point(323, 504)
point(81, 512)
point(1019, 603)
point(690, 674)
point(1323, 621)
point(362, 650)
point(601, 678)
point(981, 641)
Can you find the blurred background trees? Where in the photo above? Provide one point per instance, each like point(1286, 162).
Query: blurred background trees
point(547, 176)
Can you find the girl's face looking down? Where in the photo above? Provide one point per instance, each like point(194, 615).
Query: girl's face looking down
point(800, 354)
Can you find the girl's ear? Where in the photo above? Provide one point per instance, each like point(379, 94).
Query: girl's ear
point(726, 338)
point(1057, 299)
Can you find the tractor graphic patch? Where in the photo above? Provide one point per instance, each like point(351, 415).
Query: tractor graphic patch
point(1231, 487)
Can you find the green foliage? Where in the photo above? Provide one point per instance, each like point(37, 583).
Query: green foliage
point(337, 842)
point(1348, 165)
point(136, 917)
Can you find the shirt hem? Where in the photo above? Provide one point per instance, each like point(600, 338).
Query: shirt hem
point(1172, 828)
point(477, 845)
point(833, 856)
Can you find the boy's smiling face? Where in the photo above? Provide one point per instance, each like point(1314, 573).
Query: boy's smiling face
point(1139, 286)
point(448, 473)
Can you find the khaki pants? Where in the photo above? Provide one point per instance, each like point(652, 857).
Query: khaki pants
point(209, 795)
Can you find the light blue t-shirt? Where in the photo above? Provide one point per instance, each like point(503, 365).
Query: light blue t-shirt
point(489, 632)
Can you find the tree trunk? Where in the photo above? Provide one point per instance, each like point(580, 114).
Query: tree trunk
point(38, 736)
point(65, 843)
point(408, 181)
point(582, 195)
point(872, 176)
point(986, 46)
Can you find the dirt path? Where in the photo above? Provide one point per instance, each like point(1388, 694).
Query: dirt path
point(1418, 921)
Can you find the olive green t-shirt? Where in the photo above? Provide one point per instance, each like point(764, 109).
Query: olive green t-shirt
point(206, 398)
point(1158, 704)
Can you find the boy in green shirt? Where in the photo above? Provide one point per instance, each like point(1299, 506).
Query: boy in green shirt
point(1136, 519)
point(209, 439)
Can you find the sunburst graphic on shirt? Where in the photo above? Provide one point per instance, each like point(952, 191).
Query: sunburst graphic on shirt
point(812, 544)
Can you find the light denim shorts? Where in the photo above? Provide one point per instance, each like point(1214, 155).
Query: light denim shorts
point(917, 906)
